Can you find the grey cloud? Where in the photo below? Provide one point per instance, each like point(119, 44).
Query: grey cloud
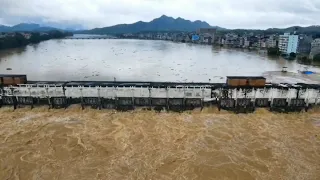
point(225, 13)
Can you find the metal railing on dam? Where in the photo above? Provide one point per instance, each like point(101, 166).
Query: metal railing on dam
point(160, 95)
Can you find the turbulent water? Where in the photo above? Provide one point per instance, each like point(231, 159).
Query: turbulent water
point(91, 144)
point(137, 60)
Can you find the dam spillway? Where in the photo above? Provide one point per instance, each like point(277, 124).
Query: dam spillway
point(175, 96)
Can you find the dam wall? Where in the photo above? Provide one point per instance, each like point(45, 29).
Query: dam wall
point(161, 95)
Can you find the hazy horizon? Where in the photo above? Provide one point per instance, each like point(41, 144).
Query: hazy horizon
point(81, 28)
point(231, 14)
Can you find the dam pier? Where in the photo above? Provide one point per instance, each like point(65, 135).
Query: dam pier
point(239, 94)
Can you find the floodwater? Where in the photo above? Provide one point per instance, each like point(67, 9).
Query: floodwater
point(92, 144)
point(137, 60)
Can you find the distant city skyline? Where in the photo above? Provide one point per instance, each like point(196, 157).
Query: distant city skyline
point(86, 14)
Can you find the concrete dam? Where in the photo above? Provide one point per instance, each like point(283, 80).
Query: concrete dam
point(242, 95)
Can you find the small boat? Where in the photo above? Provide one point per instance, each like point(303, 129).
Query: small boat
point(306, 71)
point(284, 69)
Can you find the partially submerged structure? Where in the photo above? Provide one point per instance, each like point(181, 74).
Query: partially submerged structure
point(240, 94)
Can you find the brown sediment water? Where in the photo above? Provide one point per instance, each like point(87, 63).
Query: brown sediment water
point(92, 144)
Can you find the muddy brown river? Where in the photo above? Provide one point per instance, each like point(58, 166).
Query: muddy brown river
point(92, 144)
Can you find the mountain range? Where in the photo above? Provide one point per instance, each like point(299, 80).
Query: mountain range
point(163, 23)
point(166, 23)
point(28, 27)
point(308, 29)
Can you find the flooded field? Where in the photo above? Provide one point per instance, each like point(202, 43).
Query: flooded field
point(91, 144)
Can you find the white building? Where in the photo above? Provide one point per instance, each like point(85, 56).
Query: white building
point(211, 31)
point(263, 44)
point(26, 35)
point(293, 44)
point(241, 41)
point(272, 41)
point(246, 42)
point(283, 42)
point(288, 43)
point(315, 48)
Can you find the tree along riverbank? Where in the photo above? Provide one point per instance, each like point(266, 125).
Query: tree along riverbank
point(302, 58)
point(18, 39)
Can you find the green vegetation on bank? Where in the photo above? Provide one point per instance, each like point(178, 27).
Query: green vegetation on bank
point(304, 59)
point(19, 39)
point(273, 51)
point(316, 58)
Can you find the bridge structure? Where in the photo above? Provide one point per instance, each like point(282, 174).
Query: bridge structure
point(90, 37)
point(161, 95)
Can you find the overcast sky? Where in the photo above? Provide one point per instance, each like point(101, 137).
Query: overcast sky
point(248, 14)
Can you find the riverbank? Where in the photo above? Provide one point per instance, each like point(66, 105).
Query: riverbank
point(291, 77)
point(92, 144)
point(272, 52)
point(19, 39)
